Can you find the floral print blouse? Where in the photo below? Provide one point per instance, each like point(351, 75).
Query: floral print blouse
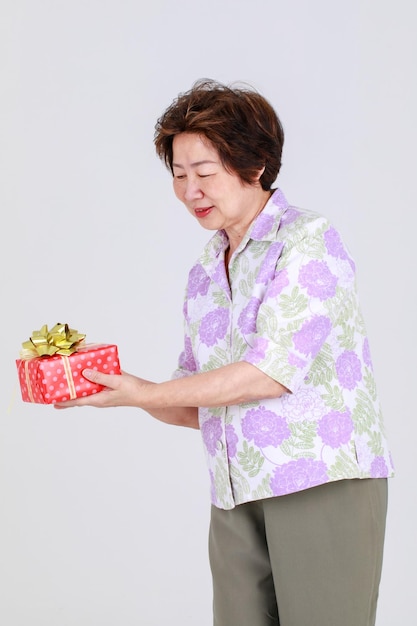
point(291, 309)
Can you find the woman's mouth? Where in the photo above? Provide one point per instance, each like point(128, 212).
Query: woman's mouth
point(202, 212)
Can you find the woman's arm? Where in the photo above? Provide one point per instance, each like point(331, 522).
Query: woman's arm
point(177, 416)
point(176, 401)
point(231, 384)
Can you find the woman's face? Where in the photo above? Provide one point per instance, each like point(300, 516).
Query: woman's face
point(217, 198)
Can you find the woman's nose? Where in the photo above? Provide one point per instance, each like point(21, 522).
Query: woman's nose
point(193, 189)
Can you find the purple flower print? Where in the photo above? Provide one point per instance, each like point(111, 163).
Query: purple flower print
point(219, 276)
point(231, 441)
point(298, 475)
point(379, 467)
point(366, 353)
point(267, 269)
point(335, 428)
point(186, 359)
point(198, 282)
point(258, 350)
point(311, 336)
point(295, 360)
point(264, 427)
point(214, 326)
point(348, 368)
point(185, 310)
point(211, 431)
point(334, 244)
point(279, 199)
point(303, 406)
point(277, 285)
point(289, 216)
point(318, 280)
point(247, 318)
point(262, 226)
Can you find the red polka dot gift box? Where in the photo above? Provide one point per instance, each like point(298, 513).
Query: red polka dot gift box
point(52, 361)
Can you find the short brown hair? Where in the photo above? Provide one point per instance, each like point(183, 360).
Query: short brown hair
point(240, 124)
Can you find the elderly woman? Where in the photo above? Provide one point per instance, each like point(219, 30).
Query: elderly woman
point(277, 375)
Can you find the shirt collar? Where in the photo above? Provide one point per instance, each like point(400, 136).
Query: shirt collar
point(263, 228)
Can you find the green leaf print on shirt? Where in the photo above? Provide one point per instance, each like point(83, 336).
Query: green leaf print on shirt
point(221, 480)
point(360, 323)
point(322, 369)
point(212, 364)
point(293, 305)
point(268, 325)
point(347, 337)
point(333, 398)
point(239, 346)
point(193, 330)
point(257, 249)
point(312, 246)
point(340, 308)
point(244, 288)
point(302, 238)
point(264, 489)
point(244, 264)
point(369, 381)
point(375, 443)
point(240, 484)
point(246, 285)
point(363, 413)
point(250, 460)
point(343, 467)
point(222, 354)
point(220, 298)
point(217, 411)
point(302, 438)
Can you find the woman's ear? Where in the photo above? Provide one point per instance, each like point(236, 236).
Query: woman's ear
point(259, 174)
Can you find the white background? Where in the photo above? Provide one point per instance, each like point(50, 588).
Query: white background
point(104, 514)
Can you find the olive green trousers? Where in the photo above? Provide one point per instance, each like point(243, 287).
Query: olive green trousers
point(312, 558)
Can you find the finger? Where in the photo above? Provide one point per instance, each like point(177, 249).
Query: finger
point(96, 399)
point(110, 382)
point(65, 405)
point(106, 380)
point(68, 404)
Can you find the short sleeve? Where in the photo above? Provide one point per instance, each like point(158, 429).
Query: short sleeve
point(303, 304)
point(186, 362)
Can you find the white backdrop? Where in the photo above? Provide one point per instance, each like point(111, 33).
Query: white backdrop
point(104, 514)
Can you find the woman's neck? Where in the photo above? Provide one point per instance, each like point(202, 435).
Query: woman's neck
point(236, 236)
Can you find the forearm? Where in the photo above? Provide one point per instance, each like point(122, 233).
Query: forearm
point(177, 401)
point(177, 416)
point(231, 384)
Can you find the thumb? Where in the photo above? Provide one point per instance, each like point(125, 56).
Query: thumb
point(106, 380)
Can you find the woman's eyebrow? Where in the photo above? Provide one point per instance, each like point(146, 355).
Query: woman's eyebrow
point(195, 164)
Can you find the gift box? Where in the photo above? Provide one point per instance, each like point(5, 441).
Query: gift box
point(51, 365)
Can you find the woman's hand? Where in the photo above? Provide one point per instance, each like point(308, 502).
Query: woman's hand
point(128, 390)
point(120, 390)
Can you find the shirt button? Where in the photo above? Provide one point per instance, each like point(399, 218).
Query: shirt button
point(219, 445)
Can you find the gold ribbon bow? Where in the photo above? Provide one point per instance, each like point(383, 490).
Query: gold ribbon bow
point(61, 339)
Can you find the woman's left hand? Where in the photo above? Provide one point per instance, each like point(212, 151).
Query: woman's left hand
point(120, 390)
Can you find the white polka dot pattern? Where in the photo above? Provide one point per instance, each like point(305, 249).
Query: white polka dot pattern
point(46, 380)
